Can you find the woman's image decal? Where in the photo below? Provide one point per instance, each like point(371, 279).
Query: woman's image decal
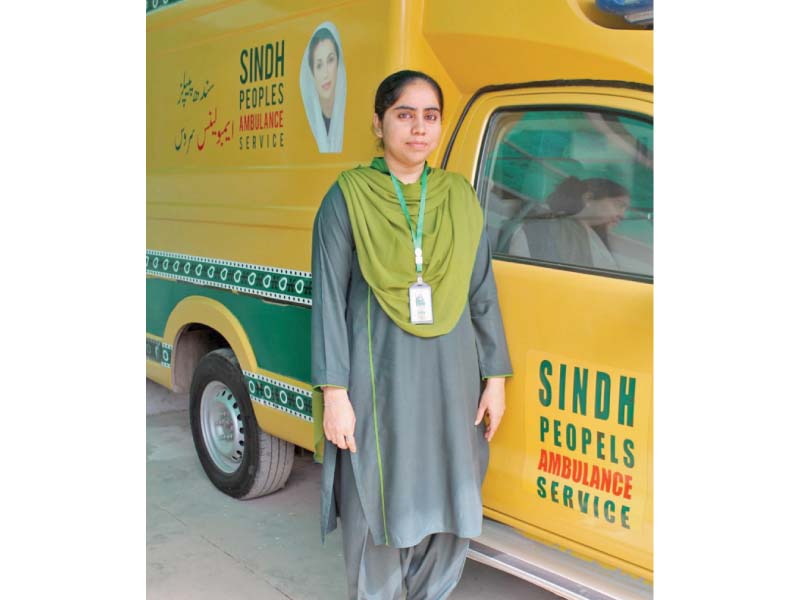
point(323, 85)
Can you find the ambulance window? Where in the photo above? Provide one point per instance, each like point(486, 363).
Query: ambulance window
point(570, 189)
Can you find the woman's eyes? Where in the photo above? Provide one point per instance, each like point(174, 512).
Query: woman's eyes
point(318, 64)
point(432, 117)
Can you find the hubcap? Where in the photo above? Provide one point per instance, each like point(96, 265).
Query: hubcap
point(222, 426)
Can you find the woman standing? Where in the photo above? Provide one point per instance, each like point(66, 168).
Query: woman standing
point(323, 85)
point(405, 324)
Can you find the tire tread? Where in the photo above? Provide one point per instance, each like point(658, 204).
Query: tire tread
point(274, 457)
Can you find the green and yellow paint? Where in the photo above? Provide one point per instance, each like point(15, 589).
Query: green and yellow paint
point(277, 394)
point(279, 333)
point(270, 282)
point(159, 4)
point(159, 352)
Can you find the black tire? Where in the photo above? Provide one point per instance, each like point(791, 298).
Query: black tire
point(239, 458)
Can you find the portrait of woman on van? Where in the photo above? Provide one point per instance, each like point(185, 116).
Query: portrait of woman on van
point(577, 231)
point(409, 353)
point(323, 85)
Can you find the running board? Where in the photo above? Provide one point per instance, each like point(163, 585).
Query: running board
point(557, 571)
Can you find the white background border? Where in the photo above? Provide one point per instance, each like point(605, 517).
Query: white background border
point(726, 301)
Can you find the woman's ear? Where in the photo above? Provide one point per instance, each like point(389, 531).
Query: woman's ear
point(586, 196)
point(376, 125)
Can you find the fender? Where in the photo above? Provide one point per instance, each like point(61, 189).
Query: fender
point(213, 314)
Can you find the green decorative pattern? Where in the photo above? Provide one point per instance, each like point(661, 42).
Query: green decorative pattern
point(269, 282)
point(276, 394)
point(157, 4)
point(159, 352)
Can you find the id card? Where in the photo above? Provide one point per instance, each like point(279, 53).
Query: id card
point(420, 303)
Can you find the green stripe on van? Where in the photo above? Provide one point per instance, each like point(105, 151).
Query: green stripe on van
point(280, 395)
point(285, 285)
point(159, 4)
point(159, 352)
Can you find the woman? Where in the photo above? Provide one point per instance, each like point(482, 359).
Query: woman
point(591, 207)
point(406, 445)
point(582, 214)
point(323, 85)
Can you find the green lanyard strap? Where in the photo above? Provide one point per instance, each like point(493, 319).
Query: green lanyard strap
point(416, 238)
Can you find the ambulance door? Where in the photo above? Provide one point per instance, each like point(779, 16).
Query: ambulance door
point(565, 177)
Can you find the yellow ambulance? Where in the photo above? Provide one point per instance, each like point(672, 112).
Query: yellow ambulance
point(548, 112)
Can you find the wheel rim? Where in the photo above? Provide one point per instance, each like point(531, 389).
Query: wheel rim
point(222, 426)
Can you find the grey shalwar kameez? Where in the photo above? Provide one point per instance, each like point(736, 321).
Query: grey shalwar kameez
point(415, 481)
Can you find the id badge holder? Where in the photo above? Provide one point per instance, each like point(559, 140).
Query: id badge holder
point(420, 303)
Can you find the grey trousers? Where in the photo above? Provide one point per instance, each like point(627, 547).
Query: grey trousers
point(428, 571)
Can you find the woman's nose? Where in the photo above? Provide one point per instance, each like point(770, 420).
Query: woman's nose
point(418, 126)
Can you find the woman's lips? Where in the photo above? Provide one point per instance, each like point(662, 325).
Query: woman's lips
point(418, 145)
point(326, 86)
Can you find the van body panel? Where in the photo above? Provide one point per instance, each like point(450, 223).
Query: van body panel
point(538, 41)
point(282, 347)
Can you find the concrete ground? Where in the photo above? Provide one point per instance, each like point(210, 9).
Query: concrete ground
point(202, 544)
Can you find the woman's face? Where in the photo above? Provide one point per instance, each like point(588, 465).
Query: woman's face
point(325, 64)
point(605, 211)
point(412, 126)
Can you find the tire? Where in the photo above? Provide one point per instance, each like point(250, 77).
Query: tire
point(242, 461)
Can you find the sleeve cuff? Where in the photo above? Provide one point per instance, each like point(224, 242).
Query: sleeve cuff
point(319, 386)
point(485, 377)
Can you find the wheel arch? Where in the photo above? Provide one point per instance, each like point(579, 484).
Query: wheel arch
point(198, 325)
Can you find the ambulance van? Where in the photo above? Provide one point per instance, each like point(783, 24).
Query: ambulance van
point(254, 107)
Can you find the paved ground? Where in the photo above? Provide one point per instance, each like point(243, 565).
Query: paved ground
point(202, 544)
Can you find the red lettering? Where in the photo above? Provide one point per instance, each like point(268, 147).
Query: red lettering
point(617, 489)
point(543, 461)
point(580, 469)
point(581, 472)
point(605, 483)
point(265, 120)
point(554, 463)
point(595, 481)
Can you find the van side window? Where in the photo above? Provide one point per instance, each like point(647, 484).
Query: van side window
point(570, 188)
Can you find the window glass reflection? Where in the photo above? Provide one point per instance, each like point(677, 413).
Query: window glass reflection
point(570, 188)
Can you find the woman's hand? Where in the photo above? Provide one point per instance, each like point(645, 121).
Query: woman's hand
point(339, 422)
point(493, 404)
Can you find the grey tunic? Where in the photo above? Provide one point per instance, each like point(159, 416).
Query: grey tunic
point(421, 460)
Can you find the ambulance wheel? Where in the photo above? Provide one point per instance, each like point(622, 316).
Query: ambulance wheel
point(239, 458)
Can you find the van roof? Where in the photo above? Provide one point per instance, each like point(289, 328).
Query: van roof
point(513, 42)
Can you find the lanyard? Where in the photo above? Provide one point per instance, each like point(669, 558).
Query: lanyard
point(416, 238)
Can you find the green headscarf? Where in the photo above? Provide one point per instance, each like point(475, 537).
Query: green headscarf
point(452, 230)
